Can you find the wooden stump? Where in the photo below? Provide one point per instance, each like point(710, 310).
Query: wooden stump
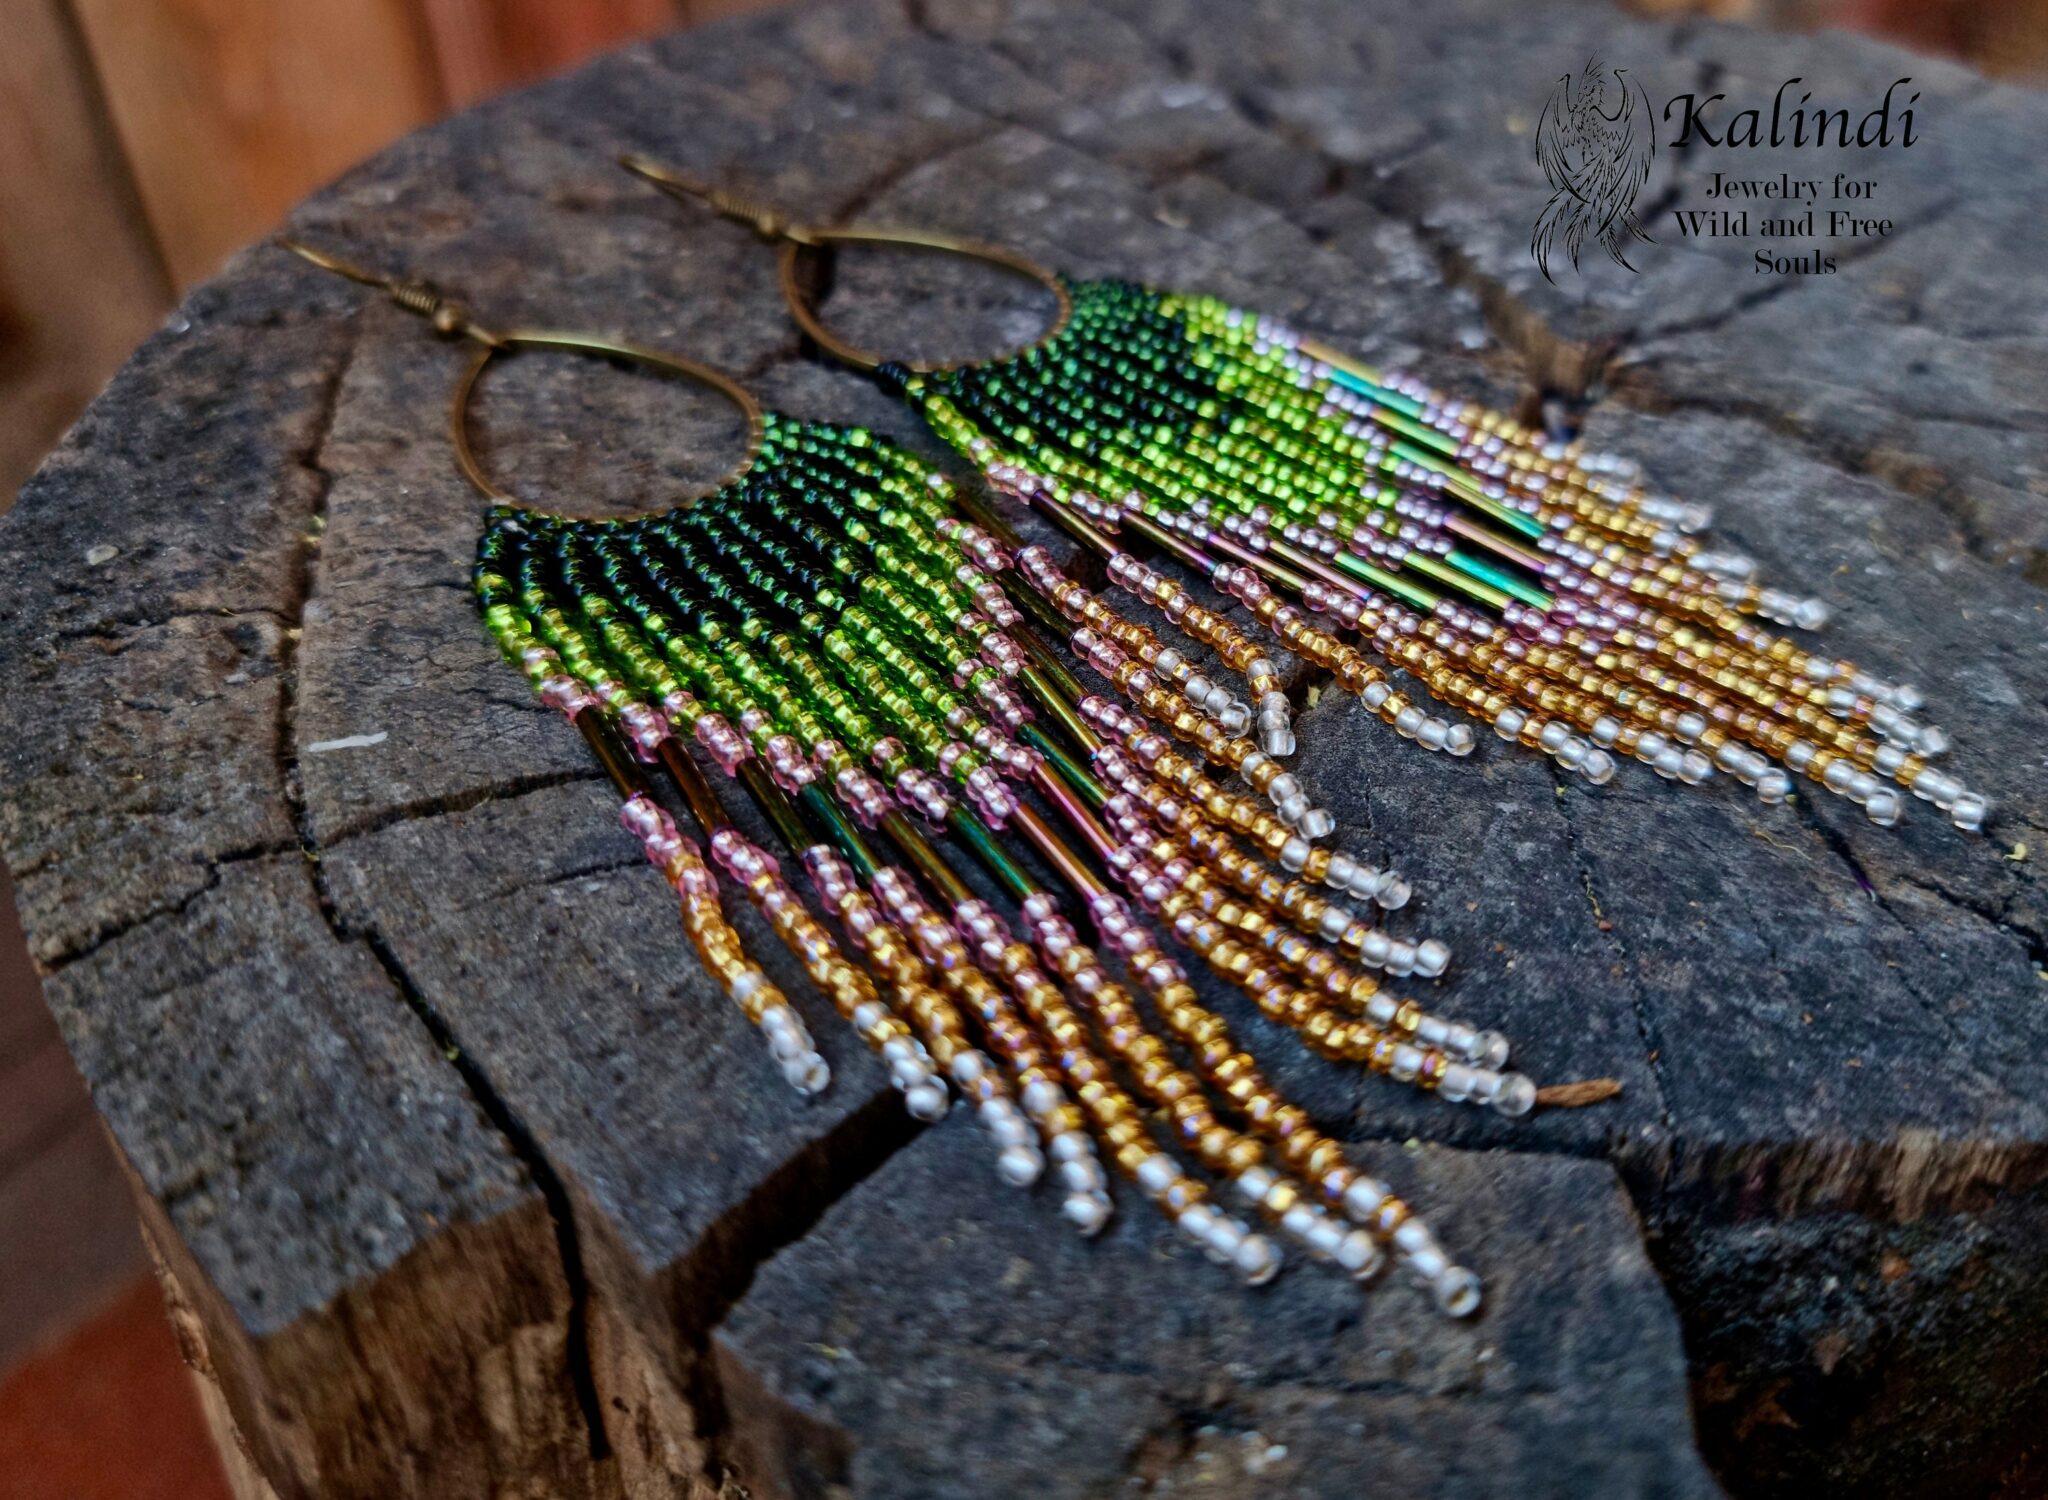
point(465, 1182)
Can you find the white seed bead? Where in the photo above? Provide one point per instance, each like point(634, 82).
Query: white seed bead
point(1516, 1096)
point(1082, 1175)
point(1019, 1166)
point(1457, 1291)
point(1254, 1183)
point(1363, 1198)
point(1412, 1236)
point(807, 1074)
point(1428, 1263)
point(1326, 1236)
point(1257, 1260)
point(925, 1101)
point(1360, 1254)
point(1156, 1173)
point(1087, 1212)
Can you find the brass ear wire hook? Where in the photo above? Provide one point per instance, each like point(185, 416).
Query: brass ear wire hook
point(794, 238)
point(451, 319)
point(760, 218)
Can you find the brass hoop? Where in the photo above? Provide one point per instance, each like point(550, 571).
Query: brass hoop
point(795, 238)
point(807, 318)
point(570, 343)
point(451, 319)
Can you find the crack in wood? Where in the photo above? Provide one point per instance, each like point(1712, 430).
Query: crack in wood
point(489, 1100)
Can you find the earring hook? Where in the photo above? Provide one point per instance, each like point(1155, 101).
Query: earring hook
point(452, 318)
point(449, 317)
point(759, 217)
point(794, 239)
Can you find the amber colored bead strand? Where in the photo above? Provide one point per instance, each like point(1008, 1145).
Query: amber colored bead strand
point(1059, 1118)
point(1115, 1115)
point(1315, 1157)
point(1200, 859)
point(1155, 754)
point(1227, 1152)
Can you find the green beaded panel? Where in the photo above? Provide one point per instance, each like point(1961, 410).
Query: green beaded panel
point(812, 598)
point(1182, 402)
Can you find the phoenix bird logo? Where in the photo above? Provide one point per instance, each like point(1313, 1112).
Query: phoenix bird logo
point(1594, 143)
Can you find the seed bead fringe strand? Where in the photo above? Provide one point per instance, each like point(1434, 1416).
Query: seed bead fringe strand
point(1540, 589)
point(857, 657)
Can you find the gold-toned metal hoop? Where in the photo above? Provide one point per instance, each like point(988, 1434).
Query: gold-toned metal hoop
point(451, 319)
point(800, 308)
point(795, 238)
point(571, 343)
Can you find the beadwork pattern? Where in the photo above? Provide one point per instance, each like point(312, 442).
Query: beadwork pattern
point(855, 655)
point(1542, 590)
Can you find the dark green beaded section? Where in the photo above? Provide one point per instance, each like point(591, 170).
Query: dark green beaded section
point(813, 597)
point(1178, 401)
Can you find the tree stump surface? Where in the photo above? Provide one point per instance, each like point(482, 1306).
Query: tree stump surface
point(465, 1181)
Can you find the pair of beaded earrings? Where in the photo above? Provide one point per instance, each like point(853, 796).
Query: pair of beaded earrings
point(865, 651)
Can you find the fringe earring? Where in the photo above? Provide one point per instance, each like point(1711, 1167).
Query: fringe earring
point(1372, 525)
point(856, 657)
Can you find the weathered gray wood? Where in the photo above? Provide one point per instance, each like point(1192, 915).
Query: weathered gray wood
point(929, 1339)
point(464, 1178)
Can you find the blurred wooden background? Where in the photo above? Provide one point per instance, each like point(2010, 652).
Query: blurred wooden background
point(141, 141)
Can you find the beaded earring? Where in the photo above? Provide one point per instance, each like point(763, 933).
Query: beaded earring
point(852, 654)
point(1539, 589)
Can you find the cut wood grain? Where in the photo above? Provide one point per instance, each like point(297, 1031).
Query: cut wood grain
point(469, 1178)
